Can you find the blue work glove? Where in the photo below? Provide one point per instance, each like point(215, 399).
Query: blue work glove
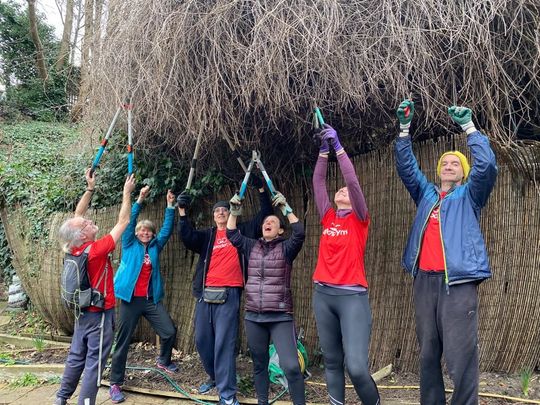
point(183, 200)
point(236, 205)
point(330, 135)
point(405, 114)
point(463, 117)
point(279, 201)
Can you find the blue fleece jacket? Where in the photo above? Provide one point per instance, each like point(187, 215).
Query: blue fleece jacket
point(133, 253)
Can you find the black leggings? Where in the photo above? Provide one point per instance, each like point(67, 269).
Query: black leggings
point(282, 334)
point(344, 328)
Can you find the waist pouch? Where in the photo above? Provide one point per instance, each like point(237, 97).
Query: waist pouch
point(215, 295)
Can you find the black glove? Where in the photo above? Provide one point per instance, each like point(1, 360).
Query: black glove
point(183, 200)
point(256, 181)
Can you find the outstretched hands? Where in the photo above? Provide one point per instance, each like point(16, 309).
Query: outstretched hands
point(280, 201)
point(405, 114)
point(328, 137)
point(90, 179)
point(183, 200)
point(463, 117)
point(143, 193)
point(236, 205)
point(170, 198)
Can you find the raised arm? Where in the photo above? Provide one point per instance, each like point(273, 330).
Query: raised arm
point(356, 195)
point(84, 202)
point(168, 222)
point(125, 208)
point(320, 192)
point(406, 164)
point(484, 170)
point(128, 237)
point(233, 234)
point(292, 245)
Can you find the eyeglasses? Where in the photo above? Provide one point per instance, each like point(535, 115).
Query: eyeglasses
point(221, 209)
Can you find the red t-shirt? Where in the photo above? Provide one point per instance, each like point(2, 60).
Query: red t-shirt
point(341, 250)
point(224, 270)
point(141, 287)
point(431, 252)
point(98, 257)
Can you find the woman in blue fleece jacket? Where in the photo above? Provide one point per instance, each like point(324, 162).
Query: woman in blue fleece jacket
point(139, 286)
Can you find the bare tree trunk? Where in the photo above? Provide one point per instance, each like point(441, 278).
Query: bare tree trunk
point(40, 56)
point(80, 15)
point(63, 54)
point(97, 20)
point(86, 54)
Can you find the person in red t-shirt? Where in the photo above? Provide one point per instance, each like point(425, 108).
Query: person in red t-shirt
point(94, 332)
point(340, 299)
point(221, 268)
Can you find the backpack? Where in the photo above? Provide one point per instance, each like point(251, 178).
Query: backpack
point(76, 291)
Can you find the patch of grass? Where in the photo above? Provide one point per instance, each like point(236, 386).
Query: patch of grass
point(6, 359)
point(39, 343)
point(27, 380)
point(245, 385)
point(525, 379)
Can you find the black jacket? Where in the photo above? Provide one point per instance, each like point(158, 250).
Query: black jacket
point(202, 241)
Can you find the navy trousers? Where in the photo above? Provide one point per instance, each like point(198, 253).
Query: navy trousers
point(216, 333)
point(84, 355)
point(447, 323)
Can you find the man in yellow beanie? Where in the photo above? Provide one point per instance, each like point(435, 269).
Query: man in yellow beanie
point(447, 257)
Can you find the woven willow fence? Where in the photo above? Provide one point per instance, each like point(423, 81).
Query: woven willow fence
point(509, 303)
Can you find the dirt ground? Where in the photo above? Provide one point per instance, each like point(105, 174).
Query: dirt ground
point(191, 375)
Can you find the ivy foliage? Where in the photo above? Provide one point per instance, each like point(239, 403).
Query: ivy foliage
point(42, 168)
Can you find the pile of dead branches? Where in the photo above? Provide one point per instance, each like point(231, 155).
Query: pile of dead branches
point(254, 69)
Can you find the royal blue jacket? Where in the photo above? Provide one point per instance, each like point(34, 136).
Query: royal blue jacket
point(464, 249)
point(133, 253)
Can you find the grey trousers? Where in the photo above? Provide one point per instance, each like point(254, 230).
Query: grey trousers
point(447, 323)
point(130, 313)
point(344, 328)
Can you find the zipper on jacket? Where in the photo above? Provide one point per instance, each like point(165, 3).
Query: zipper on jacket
point(422, 236)
point(446, 285)
point(261, 288)
point(262, 281)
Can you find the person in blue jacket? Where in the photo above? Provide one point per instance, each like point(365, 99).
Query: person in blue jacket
point(139, 286)
point(446, 254)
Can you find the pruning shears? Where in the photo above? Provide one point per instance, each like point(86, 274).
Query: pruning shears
point(256, 161)
point(243, 187)
point(127, 106)
point(269, 183)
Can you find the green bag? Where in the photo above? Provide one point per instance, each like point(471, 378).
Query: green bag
point(276, 374)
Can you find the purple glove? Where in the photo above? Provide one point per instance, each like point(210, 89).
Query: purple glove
point(323, 148)
point(330, 135)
